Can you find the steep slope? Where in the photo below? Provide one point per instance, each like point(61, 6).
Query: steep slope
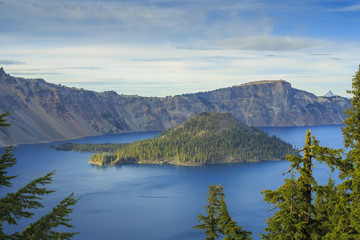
point(44, 112)
point(276, 103)
point(206, 138)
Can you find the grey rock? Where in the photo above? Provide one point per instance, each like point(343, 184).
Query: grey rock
point(43, 111)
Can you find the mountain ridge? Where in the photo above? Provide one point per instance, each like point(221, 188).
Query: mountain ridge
point(43, 111)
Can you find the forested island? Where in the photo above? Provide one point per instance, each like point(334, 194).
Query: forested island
point(207, 138)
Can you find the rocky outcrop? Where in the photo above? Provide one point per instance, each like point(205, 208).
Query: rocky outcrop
point(43, 111)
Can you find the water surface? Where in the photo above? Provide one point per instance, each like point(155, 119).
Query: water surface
point(156, 201)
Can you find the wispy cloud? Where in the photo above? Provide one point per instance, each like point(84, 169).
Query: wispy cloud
point(128, 20)
point(38, 74)
point(351, 8)
point(83, 68)
point(267, 43)
point(144, 59)
point(11, 62)
point(320, 54)
point(162, 47)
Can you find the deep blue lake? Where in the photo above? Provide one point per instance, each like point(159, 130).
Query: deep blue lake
point(156, 201)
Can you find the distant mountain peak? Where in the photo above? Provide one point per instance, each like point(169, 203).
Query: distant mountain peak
point(329, 94)
point(2, 72)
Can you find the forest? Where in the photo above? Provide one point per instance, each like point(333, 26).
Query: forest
point(206, 138)
point(88, 147)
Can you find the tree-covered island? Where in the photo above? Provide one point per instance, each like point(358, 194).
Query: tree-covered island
point(206, 138)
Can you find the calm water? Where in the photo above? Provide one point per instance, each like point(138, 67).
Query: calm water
point(157, 202)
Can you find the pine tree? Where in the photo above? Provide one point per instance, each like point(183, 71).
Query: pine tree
point(218, 221)
point(351, 139)
point(17, 205)
point(210, 223)
point(345, 219)
point(300, 216)
point(334, 211)
point(293, 199)
point(227, 225)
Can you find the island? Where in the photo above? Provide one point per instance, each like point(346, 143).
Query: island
point(206, 138)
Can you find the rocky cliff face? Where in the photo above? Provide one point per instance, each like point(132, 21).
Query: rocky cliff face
point(44, 112)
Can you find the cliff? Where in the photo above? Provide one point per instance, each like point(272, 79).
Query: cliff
point(43, 111)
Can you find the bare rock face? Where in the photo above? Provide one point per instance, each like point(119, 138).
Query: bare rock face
point(43, 111)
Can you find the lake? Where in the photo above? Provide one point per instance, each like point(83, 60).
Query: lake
point(156, 201)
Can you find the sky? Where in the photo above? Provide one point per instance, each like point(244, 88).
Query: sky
point(169, 47)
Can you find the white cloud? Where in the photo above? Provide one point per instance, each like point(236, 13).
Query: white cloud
point(352, 8)
point(116, 21)
point(267, 43)
point(157, 70)
point(162, 47)
point(11, 62)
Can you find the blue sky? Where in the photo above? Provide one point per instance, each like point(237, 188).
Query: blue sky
point(163, 47)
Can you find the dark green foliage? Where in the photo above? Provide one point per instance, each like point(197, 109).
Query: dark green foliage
point(339, 205)
point(351, 131)
point(218, 222)
point(6, 160)
point(293, 199)
point(43, 228)
point(207, 138)
point(210, 223)
point(308, 210)
point(228, 226)
point(14, 205)
point(17, 205)
point(88, 147)
point(348, 223)
point(300, 216)
point(3, 119)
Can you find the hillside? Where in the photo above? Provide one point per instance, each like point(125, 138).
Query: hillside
point(207, 138)
point(42, 111)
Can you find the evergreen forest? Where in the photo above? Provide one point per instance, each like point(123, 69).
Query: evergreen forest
point(206, 138)
point(88, 147)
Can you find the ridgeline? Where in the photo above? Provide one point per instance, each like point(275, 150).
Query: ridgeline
point(42, 111)
point(207, 138)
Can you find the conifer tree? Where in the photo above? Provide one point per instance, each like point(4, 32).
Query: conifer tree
point(17, 205)
point(351, 139)
point(293, 199)
point(345, 222)
point(227, 225)
point(218, 221)
point(300, 216)
point(334, 211)
point(210, 223)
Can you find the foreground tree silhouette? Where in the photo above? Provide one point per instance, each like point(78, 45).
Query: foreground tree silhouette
point(218, 221)
point(17, 205)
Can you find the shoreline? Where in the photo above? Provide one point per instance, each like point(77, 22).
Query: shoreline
point(74, 138)
point(186, 164)
point(127, 132)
